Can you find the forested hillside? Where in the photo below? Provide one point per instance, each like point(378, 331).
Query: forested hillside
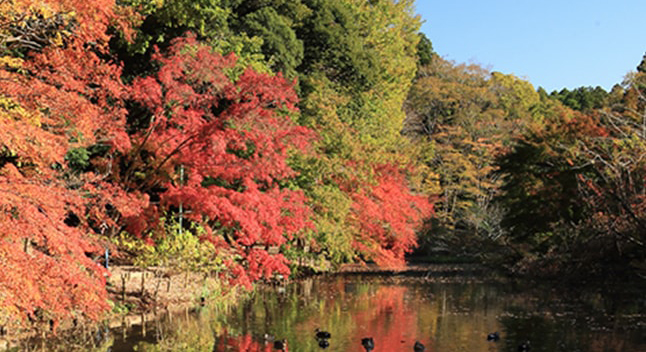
point(537, 183)
point(252, 138)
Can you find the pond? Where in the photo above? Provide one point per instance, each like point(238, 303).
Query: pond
point(446, 313)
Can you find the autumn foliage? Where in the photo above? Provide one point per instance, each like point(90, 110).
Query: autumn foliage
point(232, 140)
point(88, 153)
point(62, 97)
point(45, 268)
point(387, 214)
point(574, 191)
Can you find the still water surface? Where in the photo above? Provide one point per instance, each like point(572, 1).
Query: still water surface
point(446, 314)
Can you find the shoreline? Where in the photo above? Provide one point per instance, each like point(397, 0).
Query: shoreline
point(140, 295)
point(137, 295)
point(143, 295)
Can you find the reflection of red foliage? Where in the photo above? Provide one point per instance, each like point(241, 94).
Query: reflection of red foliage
point(384, 314)
point(391, 323)
point(242, 343)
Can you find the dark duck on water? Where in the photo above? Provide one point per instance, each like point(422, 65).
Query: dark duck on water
point(368, 343)
point(280, 344)
point(320, 334)
point(323, 343)
point(494, 336)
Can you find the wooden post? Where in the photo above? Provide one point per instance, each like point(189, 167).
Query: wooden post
point(157, 287)
point(143, 324)
point(181, 205)
point(143, 282)
point(123, 287)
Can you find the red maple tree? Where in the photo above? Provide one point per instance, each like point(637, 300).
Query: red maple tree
point(387, 215)
point(231, 136)
point(63, 96)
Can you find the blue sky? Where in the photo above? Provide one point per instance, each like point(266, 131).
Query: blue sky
point(552, 43)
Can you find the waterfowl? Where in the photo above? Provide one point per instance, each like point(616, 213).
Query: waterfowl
point(323, 343)
point(524, 347)
point(368, 343)
point(419, 347)
point(320, 334)
point(280, 344)
point(494, 336)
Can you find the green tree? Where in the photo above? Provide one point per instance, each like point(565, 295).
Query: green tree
point(282, 49)
point(425, 53)
point(583, 98)
point(261, 34)
point(360, 58)
point(642, 65)
point(365, 52)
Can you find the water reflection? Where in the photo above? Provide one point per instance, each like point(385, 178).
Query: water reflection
point(446, 315)
point(396, 312)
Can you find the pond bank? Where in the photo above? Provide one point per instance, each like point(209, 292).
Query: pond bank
point(138, 294)
point(142, 290)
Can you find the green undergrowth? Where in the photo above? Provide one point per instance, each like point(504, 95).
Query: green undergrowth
point(174, 246)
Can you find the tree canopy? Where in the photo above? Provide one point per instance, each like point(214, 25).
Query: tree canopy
point(267, 130)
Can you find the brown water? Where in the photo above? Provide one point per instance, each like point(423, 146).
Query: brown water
point(446, 314)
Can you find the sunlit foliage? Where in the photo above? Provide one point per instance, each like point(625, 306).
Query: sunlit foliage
point(62, 97)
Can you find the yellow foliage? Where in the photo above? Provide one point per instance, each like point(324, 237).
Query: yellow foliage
point(11, 62)
point(426, 181)
point(10, 110)
point(41, 23)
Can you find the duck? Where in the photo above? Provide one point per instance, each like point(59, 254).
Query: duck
point(524, 347)
point(368, 343)
point(280, 344)
point(320, 334)
point(494, 336)
point(419, 347)
point(323, 343)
